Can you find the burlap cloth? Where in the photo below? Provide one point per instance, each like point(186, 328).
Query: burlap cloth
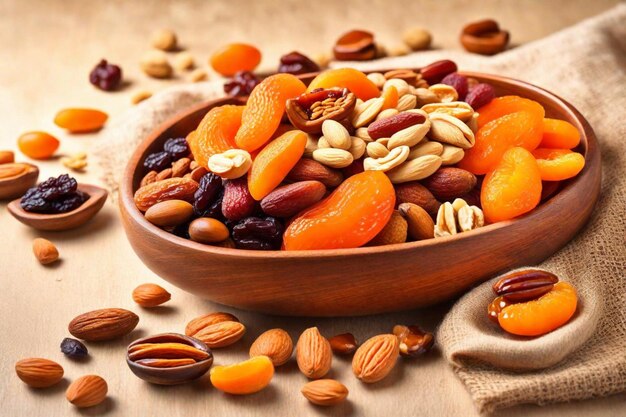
point(586, 65)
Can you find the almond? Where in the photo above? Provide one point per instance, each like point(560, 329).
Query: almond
point(416, 193)
point(313, 354)
point(395, 231)
point(386, 127)
point(325, 392)
point(450, 182)
point(169, 213)
point(87, 391)
point(308, 169)
point(45, 251)
point(419, 223)
point(290, 199)
point(276, 344)
point(150, 295)
point(376, 358)
point(105, 324)
point(199, 323)
point(39, 372)
point(336, 134)
point(7, 157)
point(221, 334)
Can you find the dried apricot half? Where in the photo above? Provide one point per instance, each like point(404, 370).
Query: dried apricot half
point(81, 120)
point(264, 109)
point(512, 188)
point(215, 133)
point(273, 163)
point(37, 145)
point(493, 139)
point(540, 316)
point(391, 97)
point(245, 377)
point(235, 57)
point(353, 80)
point(501, 106)
point(559, 134)
point(558, 164)
point(348, 218)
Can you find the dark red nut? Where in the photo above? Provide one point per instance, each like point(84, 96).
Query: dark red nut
point(407, 75)
point(290, 199)
point(484, 37)
point(297, 63)
point(459, 82)
point(448, 183)
point(386, 127)
point(356, 45)
point(309, 111)
point(343, 344)
point(525, 285)
point(435, 72)
point(413, 340)
point(480, 96)
point(237, 202)
point(309, 169)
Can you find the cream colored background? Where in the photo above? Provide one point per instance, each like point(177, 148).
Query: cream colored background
point(46, 51)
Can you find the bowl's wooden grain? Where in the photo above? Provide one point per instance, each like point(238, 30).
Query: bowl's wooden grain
point(371, 279)
point(63, 221)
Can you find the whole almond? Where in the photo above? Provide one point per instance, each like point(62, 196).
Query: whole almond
point(105, 324)
point(416, 193)
point(419, 223)
point(450, 182)
point(45, 251)
point(334, 158)
point(87, 391)
point(395, 231)
point(290, 199)
point(384, 128)
point(150, 295)
point(169, 213)
point(313, 354)
point(180, 167)
point(415, 169)
point(336, 134)
point(375, 359)
point(325, 392)
point(308, 169)
point(199, 323)
point(276, 344)
point(39, 372)
point(221, 334)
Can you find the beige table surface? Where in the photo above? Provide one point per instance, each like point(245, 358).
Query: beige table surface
point(46, 51)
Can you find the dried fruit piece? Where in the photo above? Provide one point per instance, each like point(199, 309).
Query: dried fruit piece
point(313, 354)
point(343, 344)
point(207, 200)
point(87, 391)
point(274, 162)
point(375, 359)
point(355, 45)
point(245, 377)
point(350, 217)
point(387, 127)
point(39, 372)
point(7, 157)
point(215, 133)
point(395, 231)
point(168, 189)
point(484, 37)
point(501, 106)
point(276, 344)
point(104, 324)
point(150, 295)
point(311, 110)
point(158, 161)
point(434, 73)
point(354, 80)
point(235, 57)
point(81, 120)
point(289, 200)
point(241, 84)
point(237, 202)
point(309, 170)
point(264, 110)
point(258, 233)
point(54, 195)
point(558, 164)
point(45, 251)
point(559, 134)
point(391, 97)
point(325, 392)
point(37, 145)
point(512, 188)
point(480, 95)
point(169, 213)
point(413, 340)
point(296, 63)
point(73, 348)
point(208, 230)
point(106, 76)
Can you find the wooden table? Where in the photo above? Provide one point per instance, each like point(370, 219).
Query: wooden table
point(47, 50)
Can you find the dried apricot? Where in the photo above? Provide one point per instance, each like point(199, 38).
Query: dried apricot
point(245, 377)
point(81, 120)
point(512, 188)
point(349, 78)
point(37, 145)
point(504, 105)
point(348, 218)
point(391, 97)
point(215, 133)
point(235, 57)
point(493, 139)
point(559, 134)
point(540, 316)
point(273, 163)
point(558, 164)
point(265, 109)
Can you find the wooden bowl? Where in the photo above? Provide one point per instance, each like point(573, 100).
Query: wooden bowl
point(16, 186)
point(366, 280)
point(63, 221)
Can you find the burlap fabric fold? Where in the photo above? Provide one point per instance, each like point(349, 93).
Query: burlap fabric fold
point(586, 65)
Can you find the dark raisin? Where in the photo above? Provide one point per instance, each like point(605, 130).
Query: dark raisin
point(176, 147)
point(158, 161)
point(69, 202)
point(297, 63)
point(54, 195)
point(182, 230)
point(258, 233)
point(73, 348)
point(254, 244)
point(208, 192)
point(106, 76)
point(214, 209)
point(241, 84)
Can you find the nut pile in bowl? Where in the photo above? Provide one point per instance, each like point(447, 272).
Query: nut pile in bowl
point(354, 159)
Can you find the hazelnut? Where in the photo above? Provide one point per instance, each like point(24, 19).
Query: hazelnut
point(164, 39)
point(155, 64)
point(184, 61)
point(417, 39)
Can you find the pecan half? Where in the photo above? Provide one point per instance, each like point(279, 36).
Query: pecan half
point(525, 285)
point(309, 111)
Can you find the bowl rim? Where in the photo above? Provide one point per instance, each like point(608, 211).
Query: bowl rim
point(588, 144)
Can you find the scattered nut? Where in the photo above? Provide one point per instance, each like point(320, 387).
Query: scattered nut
point(140, 96)
point(322, 59)
point(39, 372)
point(398, 50)
point(184, 61)
point(73, 348)
point(417, 39)
point(199, 323)
point(325, 392)
point(155, 64)
point(164, 39)
point(448, 129)
point(87, 391)
point(45, 251)
point(76, 162)
point(313, 354)
point(276, 344)
point(375, 359)
point(198, 75)
point(7, 157)
point(150, 295)
point(104, 324)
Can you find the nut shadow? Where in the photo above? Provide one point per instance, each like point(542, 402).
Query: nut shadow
point(160, 310)
point(105, 407)
point(58, 388)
